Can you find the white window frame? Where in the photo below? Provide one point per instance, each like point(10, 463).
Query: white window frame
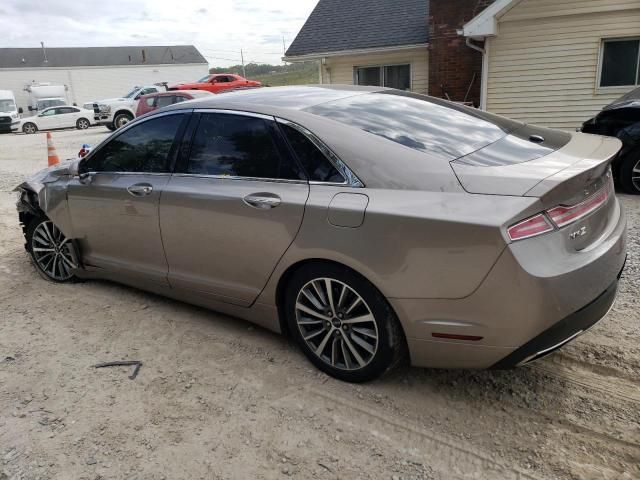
point(610, 88)
point(382, 66)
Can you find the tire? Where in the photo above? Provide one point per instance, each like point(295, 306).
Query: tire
point(29, 128)
point(82, 124)
point(121, 120)
point(111, 127)
point(50, 252)
point(350, 351)
point(630, 172)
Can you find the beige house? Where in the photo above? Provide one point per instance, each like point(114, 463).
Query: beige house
point(557, 62)
point(367, 42)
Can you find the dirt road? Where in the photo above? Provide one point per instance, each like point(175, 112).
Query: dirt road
point(219, 398)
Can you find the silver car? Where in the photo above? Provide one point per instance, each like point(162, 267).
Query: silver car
point(369, 224)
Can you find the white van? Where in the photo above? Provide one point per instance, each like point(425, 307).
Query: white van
point(9, 114)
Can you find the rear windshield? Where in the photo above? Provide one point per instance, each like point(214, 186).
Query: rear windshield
point(423, 123)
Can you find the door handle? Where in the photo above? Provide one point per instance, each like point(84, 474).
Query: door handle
point(140, 189)
point(262, 201)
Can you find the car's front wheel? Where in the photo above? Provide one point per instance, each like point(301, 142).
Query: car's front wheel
point(121, 120)
point(342, 323)
point(29, 128)
point(50, 251)
point(82, 124)
point(630, 172)
point(111, 127)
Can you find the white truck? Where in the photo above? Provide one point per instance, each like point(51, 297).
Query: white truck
point(116, 112)
point(45, 95)
point(9, 114)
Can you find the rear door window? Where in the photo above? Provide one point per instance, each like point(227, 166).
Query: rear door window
point(316, 164)
point(239, 146)
point(416, 121)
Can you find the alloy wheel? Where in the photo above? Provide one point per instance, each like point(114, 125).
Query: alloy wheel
point(29, 128)
point(52, 252)
point(336, 324)
point(83, 124)
point(122, 121)
point(635, 175)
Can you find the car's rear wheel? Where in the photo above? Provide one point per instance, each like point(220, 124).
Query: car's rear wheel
point(111, 127)
point(82, 124)
point(121, 120)
point(29, 128)
point(50, 251)
point(342, 323)
point(630, 172)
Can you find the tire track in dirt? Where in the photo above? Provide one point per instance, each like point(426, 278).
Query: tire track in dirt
point(622, 389)
point(478, 465)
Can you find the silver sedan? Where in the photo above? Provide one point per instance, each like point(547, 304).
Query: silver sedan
point(369, 224)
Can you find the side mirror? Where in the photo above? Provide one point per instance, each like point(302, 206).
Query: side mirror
point(20, 111)
point(30, 108)
point(86, 178)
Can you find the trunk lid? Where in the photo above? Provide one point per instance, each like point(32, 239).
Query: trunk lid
point(573, 183)
point(561, 175)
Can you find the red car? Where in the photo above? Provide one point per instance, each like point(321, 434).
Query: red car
point(217, 83)
point(153, 101)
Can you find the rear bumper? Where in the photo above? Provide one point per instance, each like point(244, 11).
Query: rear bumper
point(562, 332)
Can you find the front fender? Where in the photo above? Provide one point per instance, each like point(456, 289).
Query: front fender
point(46, 193)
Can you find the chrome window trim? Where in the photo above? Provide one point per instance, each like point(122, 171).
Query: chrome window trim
point(351, 179)
point(120, 131)
point(153, 174)
point(234, 112)
point(249, 179)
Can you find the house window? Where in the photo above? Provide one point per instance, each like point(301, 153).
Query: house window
point(392, 76)
point(620, 63)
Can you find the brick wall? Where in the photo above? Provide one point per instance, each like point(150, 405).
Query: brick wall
point(452, 64)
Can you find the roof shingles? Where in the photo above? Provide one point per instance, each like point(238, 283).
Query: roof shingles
point(99, 56)
point(339, 25)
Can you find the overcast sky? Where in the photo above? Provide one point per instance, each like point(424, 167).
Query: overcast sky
point(219, 28)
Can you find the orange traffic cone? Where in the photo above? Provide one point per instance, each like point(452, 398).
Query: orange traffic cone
point(53, 156)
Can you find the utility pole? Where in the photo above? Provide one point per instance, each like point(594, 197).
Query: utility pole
point(244, 73)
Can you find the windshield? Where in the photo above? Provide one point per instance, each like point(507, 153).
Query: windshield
point(416, 121)
point(132, 93)
point(7, 105)
point(204, 79)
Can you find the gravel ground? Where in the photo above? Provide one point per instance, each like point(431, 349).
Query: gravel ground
point(219, 398)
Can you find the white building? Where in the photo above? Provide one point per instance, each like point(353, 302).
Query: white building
point(93, 73)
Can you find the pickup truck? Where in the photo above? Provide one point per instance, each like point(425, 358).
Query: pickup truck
point(217, 83)
point(117, 112)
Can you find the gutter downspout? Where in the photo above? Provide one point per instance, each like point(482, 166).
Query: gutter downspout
point(485, 67)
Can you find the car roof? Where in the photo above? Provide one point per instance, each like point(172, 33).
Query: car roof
point(281, 98)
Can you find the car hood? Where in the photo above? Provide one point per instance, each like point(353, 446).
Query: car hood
point(111, 100)
point(47, 175)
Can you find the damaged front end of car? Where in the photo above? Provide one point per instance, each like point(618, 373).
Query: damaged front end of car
point(45, 195)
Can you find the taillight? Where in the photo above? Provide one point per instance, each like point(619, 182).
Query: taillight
point(558, 217)
point(564, 215)
point(531, 227)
